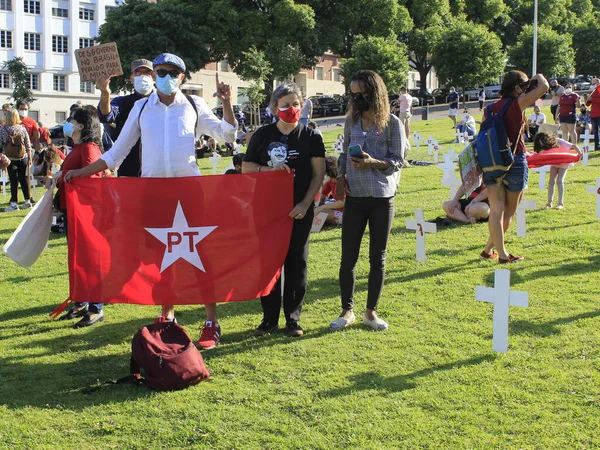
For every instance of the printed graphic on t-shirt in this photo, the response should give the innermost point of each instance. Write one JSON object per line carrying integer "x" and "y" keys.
{"x": 278, "y": 153}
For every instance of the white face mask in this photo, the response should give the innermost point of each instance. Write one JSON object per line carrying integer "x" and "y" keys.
{"x": 143, "y": 84}
{"x": 568, "y": 91}
{"x": 23, "y": 112}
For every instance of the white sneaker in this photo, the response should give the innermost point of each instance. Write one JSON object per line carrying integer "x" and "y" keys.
{"x": 12, "y": 207}
{"x": 377, "y": 323}
{"x": 341, "y": 323}
{"x": 26, "y": 205}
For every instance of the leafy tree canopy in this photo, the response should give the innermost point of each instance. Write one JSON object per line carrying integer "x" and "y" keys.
{"x": 20, "y": 78}
{"x": 586, "y": 41}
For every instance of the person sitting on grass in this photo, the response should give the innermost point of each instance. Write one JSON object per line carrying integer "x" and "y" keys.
{"x": 472, "y": 209}
{"x": 330, "y": 203}
{"x": 545, "y": 141}
{"x": 467, "y": 123}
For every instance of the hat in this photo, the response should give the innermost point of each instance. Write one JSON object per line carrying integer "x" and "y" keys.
{"x": 169, "y": 58}
{"x": 135, "y": 65}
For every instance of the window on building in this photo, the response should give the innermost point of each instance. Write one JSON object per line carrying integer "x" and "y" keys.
{"x": 60, "y": 44}
{"x": 6, "y": 5}
{"x": 319, "y": 73}
{"x": 336, "y": 74}
{"x": 60, "y": 12}
{"x": 85, "y": 42}
{"x": 86, "y": 14}
{"x": 5, "y": 80}
{"x": 60, "y": 117}
{"x": 31, "y": 6}
{"x": 87, "y": 86}
{"x": 35, "y": 115}
{"x": 33, "y": 83}
{"x": 32, "y": 41}
{"x": 224, "y": 66}
{"x": 5, "y": 39}
{"x": 60, "y": 83}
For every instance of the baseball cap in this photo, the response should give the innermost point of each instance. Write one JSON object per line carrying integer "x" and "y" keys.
{"x": 135, "y": 65}
{"x": 169, "y": 58}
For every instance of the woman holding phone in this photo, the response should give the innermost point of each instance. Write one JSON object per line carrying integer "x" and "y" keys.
{"x": 372, "y": 154}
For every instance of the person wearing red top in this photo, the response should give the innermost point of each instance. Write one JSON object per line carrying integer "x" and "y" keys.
{"x": 44, "y": 134}
{"x": 567, "y": 113}
{"x": 83, "y": 126}
{"x": 31, "y": 125}
{"x": 505, "y": 193}
{"x": 330, "y": 202}
{"x": 594, "y": 102}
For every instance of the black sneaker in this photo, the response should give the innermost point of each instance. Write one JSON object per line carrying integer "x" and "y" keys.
{"x": 73, "y": 313}
{"x": 292, "y": 329}
{"x": 265, "y": 328}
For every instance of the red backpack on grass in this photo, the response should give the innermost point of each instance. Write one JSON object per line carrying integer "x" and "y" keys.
{"x": 168, "y": 357}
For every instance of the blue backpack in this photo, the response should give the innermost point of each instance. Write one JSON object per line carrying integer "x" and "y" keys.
{"x": 492, "y": 146}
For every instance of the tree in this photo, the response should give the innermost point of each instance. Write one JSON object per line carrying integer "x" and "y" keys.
{"x": 387, "y": 57}
{"x": 255, "y": 68}
{"x": 586, "y": 40}
{"x": 476, "y": 55}
{"x": 20, "y": 77}
{"x": 555, "y": 55}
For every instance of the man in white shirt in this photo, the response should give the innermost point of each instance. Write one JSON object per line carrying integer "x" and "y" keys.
{"x": 534, "y": 122}
{"x": 307, "y": 112}
{"x": 167, "y": 122}
{"x": 404, "y": 107}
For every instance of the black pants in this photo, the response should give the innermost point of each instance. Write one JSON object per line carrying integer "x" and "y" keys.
{"x": 553, "y": 109}
{"x": 295, "y": 275}
{"x": 379, "y": 214}
{"x": 595, "y": 129}
{"x": 17, "y": 174}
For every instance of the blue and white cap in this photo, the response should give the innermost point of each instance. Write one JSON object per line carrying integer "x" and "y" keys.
{"x": 169, "y": 58}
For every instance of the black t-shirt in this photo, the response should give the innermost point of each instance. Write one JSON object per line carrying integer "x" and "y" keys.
{"x": 269, "y": 146}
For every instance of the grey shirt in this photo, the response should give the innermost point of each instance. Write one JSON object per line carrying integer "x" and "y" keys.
{"x": 384, "y": 145}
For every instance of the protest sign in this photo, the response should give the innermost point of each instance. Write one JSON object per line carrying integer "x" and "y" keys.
{"x": 98, "y": 61}
{"x": 470, "y": 172}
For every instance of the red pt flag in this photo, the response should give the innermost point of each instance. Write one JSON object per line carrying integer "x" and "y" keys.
{"x": 174, "y": 241}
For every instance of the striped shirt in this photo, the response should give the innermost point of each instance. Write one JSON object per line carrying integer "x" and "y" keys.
{"x": 384, "y": 145}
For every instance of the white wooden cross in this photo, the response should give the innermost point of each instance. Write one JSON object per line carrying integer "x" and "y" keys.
{"x": 4, "y": 180}
{"x": 452, "y": 182}
{"x": 502, "y": 297}
{"x": 585, "y": 150}
{"x": 32, "y": 184}
{"x": 595, "y": 190}
{"x": 467, "y": 137}
{"x": 421, "y": 227}
{"x": 448, "y": 165}
{"x": 523, "y": 206}
{"x": 451, "y": 155}
{"x": 542, "y": 171}
{"x": 214, "y": 159}
{"x": 436, "y": 148}
{"x": 417, "y": 138}
{"x": 430, "y": 146}
{"x": 587, "y": 137}
{"x": 459, "y": 136}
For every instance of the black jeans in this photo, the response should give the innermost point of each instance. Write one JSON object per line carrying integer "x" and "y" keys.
{"x": 295, "y": 275}
{"x": 595, "y": 130}
{"x": 17, "y": 174}
{"x": 379, "y": 214}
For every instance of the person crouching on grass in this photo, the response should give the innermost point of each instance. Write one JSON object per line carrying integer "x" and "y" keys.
{"x": 329, "y": 202}
{"x": 545, "y": 141}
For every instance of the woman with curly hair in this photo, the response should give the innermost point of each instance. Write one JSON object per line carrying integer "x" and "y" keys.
{"x": 372, "y": 154}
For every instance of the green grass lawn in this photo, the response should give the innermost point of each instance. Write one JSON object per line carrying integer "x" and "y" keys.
{"x": 430, "y": 381}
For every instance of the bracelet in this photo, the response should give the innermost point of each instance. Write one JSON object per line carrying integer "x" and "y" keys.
{"x": 258, "y": 168}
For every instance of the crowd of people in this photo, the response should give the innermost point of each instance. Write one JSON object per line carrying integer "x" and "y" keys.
{"x": 153, "y": 133}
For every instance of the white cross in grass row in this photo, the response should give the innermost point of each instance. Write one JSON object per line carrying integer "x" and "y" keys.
{"x": 502, "y": 297}
{"x": 459, "y": 136}
{"x": 523, "y": 206}
{"x": 430, "y": 144}
{"x": 452, "y": 182}
{"x": 448, "y": 165}
{"x": 4, "y": 180}
{"x": 542, "y": 171}
{"x": 214, "y": 159}
{"x": 436, "y": 149}
{"x": 595, "y": 190}
{"x": 417, "y": 138}
{"x": 587, "y": 136}
{"x": 421, "y": 227}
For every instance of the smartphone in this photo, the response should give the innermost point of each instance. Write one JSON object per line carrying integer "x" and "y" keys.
{"x": 355, "y": 151}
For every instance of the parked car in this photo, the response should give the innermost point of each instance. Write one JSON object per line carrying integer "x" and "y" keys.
{"x": 492, "y": 91}
{"x": 471, "y": 94}
{"x": 218, "y": 111}
{"x": 582, "y": 82}
{"x": 326, "y": 106}
{"x": 441, "y": 95}
{"x": 424, "y": 96}
{"x": 343, "y": 101}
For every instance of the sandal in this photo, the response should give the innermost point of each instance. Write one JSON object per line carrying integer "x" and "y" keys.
{"x": 490, "y": 255}
{"x": 510, "y": 259}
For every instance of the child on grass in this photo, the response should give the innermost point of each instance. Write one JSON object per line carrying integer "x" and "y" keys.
{"x": 545, "y": 141}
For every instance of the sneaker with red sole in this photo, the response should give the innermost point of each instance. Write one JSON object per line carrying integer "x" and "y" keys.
{"x": 511, "y": 259}
{"x": 490, "y": 255}
{"x": 210, "y": 336}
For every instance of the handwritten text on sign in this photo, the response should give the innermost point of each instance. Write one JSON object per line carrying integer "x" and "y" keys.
{"x": 98, "y": 61}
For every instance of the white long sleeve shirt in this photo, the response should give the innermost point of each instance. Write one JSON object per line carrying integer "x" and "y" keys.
{"x": 168, "y": 138}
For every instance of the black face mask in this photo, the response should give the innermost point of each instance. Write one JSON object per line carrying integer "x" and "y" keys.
{"x": 360, "y": 103}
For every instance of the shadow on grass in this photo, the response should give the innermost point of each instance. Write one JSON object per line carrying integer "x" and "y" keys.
{"x": 31, "y": 277}
{"x": 551, "y": 328}
{"x": 391, "y": 278}
{"x": 374, "y": 380}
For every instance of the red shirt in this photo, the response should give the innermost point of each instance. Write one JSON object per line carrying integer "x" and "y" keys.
{"x": 329, "y": 190}
{"x": 594, "y": 102}
{"x": 82, "y": 155}
{"x": 45, "y": 135}
{"x": 568, "y": 105}
{"x": 31, "y": 126}
{"x": 514, "y": 121}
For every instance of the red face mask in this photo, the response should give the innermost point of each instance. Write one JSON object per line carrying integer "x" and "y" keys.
{"x": 289, "y": 115}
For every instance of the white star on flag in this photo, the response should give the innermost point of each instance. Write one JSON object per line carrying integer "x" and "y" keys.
{"x": 180, "y": 240}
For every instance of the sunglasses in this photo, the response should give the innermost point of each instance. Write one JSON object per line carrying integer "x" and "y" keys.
{"x": 357, "y": 95}
{"x": 164, "y": 72}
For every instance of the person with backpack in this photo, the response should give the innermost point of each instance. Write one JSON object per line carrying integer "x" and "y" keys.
{"x": 506, "y": 191}
{"x": 16, "y": 145}
{"x": 167, "y": 122}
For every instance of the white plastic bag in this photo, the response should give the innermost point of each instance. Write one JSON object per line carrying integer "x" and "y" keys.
{"x": 30, "y": 238}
